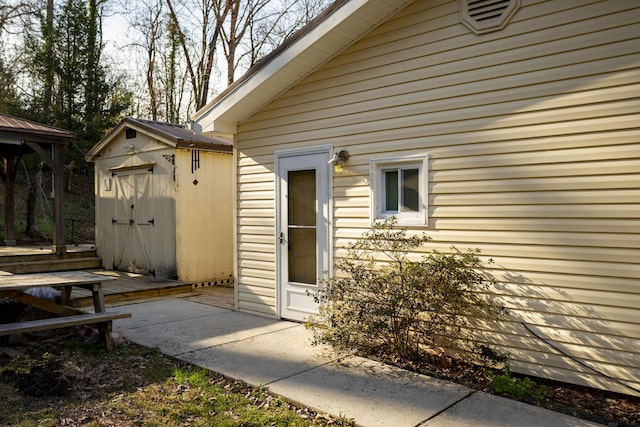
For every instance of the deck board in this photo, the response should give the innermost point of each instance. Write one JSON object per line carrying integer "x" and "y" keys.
{"x": 217, "y": 296}
{"x": 130, "y": 286}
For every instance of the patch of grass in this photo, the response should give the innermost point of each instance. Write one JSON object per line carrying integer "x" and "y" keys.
{"x": 194, "y": 378}
{"x": 19, "y": 365}
{"x": 195, "y": 398}
{"x": 133, "y": 385}
{"x": 517, "y": 387}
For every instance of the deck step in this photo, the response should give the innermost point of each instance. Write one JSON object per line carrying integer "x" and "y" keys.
{"x": 44, "y": 254}
{"x": 133, "y": 294}
{"x": 51, "y": 264}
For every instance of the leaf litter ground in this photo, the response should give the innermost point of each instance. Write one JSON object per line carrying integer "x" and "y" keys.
{"x": 61, "y": 380}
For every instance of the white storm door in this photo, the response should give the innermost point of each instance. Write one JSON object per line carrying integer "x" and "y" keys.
{"x": 303, "y": 231}
{"x": 133, "y": 221}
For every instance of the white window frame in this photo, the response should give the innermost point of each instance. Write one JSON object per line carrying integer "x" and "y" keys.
{"x": 377, "y": 167}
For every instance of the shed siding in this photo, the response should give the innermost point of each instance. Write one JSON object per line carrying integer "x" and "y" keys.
{"x": 534, "y": 146}
{"x": 160, "y": 201}
{"x": 189, "y": 231}
{"x": 204, "y": 217}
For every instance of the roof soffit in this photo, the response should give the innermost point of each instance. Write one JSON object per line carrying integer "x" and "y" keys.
{"x": 325, "y": 40}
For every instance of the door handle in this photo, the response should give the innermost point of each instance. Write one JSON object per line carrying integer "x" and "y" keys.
{"x": 281, "y": 238}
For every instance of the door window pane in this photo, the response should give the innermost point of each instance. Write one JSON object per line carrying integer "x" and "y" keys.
{"x": 302, "y": 198}
{"x": 302, "y": 226}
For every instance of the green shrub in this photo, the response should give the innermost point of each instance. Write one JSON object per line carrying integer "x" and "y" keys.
{"x": 517, "y": 387}
{"x": 384, "y": 299}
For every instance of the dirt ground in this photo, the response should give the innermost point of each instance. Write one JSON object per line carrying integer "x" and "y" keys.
{"x": 55, "y": 377}
{"x": 67, "y": 379}
{"x": 611, "y": 409}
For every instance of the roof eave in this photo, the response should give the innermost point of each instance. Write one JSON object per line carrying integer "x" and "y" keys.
{"x": 19, "y": 126}
{"x": 131, "y": 123}
{"x": 215, "y": 144}
{"x": 205, "y": 146}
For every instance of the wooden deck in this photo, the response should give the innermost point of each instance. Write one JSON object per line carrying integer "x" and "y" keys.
{"x": 42, "y": 259}
{"x": 217, "y": 296}
{"x": 127, "y": 286}
{"x": 130, "y": 286}
{"x": 42, "y": 249}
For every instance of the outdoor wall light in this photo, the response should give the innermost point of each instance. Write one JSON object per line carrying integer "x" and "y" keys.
{"x": 338, "y": 159}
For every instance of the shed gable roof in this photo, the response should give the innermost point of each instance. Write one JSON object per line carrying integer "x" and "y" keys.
{"x": 341, "y": 25}
{"x": 173, "y": 135}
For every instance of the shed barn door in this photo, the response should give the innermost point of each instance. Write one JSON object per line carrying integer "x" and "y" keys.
{"x": 133, "y": 220}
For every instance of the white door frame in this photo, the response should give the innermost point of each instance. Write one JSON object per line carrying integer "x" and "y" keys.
{"x": 326, "y": 254}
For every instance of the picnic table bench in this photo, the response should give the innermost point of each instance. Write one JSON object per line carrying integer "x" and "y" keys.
{"x": 12, "y": 286}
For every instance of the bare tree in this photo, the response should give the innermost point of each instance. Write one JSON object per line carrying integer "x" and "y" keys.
{"x": 242, "y": 29}
{"x": 146, "y": 19}
{"x": 173, "y": 77}
{"x": 9, "y": 11}
{"x": 233, "y": 33}
{"x": 200, "y": 61}
{"x": 269, "y": 29}
{"x": 202, "y": 45}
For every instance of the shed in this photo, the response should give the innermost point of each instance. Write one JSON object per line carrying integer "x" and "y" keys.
{"x": 513, "y": 128}
{"x": 163, "y": 202}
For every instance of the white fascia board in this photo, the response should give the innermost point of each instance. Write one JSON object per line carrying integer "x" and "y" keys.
{"x": 96, "y": 149}
{"x": 339, "y": 30}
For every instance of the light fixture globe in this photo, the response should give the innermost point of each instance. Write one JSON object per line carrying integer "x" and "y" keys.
{"x": 338, "y": 159}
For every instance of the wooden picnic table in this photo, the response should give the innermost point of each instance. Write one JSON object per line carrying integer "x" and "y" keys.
{"x": 12, "y": 286}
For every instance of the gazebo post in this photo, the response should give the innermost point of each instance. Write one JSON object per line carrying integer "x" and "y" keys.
{"x": 57, "y": 151}
{"x": 9, "y": 201}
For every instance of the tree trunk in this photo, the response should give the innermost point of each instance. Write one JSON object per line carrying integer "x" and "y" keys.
{"x": 32, "y": 200}
{"x": 49, "y": 71}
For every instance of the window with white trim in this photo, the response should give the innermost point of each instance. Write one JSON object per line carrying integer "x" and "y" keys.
{"x": 399, "y": 188}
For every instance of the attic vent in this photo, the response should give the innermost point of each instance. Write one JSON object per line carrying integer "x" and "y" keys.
{"x": 483, "y": 16}
{"x": 130, "y": 133}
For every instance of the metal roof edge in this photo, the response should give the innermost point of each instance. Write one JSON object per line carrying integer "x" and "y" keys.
{"x": 145, "y": 126}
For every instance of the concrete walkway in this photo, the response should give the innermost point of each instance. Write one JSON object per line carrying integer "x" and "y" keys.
{"x": 278, "y": 354}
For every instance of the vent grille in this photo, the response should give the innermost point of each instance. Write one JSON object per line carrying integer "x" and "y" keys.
{"x": 483, "y": 16}
{"x": 483, "y": 10}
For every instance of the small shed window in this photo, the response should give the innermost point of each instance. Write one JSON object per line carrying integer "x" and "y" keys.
{"x": 399, "y": 188}
{"x": 130, "y": 133}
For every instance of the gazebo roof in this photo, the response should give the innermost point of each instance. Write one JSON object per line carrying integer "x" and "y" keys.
{"x": 16, "y": 128}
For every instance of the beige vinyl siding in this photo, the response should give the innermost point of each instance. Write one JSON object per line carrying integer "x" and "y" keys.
{"x": 256, "y": 235}
{"x": 534, "y": 157}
